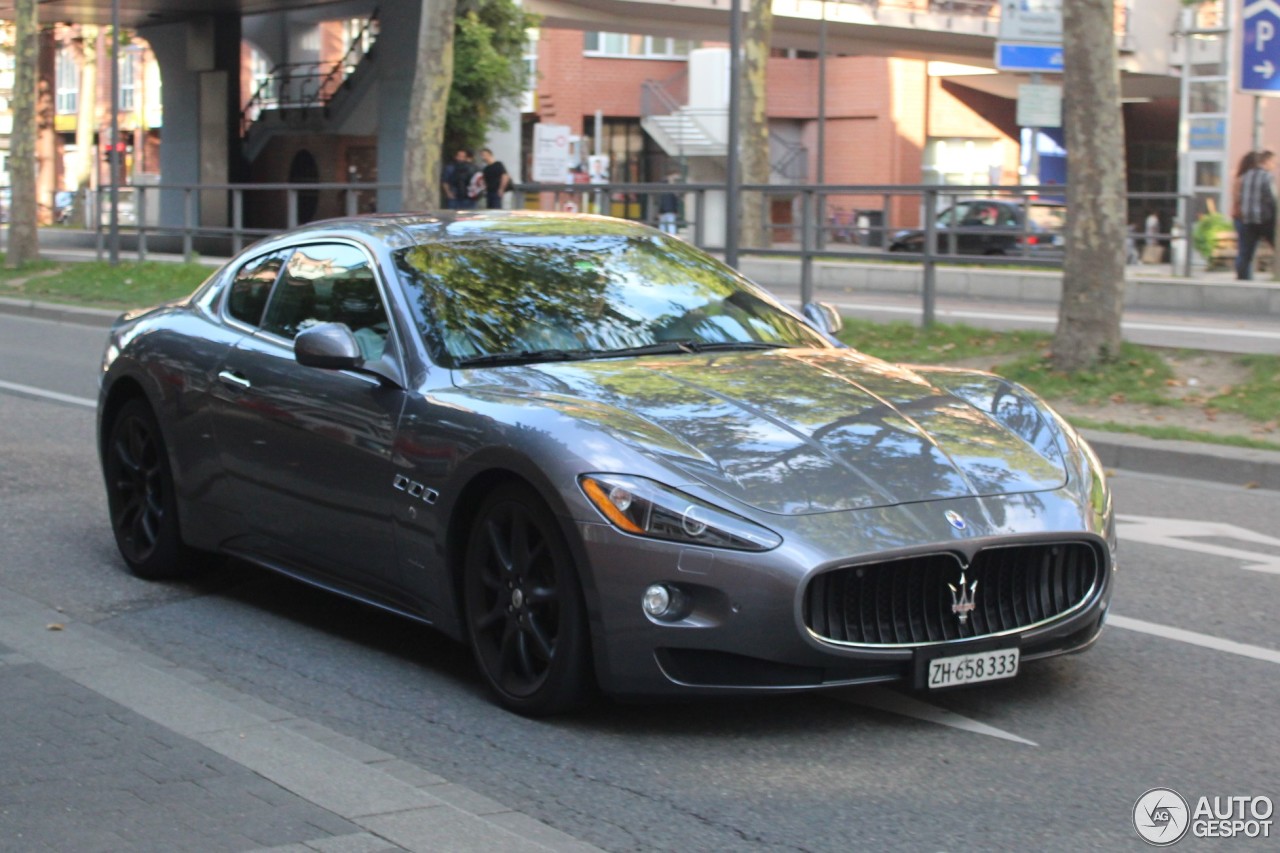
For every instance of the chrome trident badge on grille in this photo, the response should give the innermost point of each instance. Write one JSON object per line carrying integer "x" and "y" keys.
{"x": 962, "y": 598}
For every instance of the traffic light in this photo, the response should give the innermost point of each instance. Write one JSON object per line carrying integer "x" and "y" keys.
{"x": 122, "y": 148}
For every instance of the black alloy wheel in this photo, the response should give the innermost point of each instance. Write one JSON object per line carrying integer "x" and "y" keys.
{"x": 524, "y": 611}
{"x": 140, "y": 495}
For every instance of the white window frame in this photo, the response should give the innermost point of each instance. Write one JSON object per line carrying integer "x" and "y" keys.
{"x": 618, "y": 46}
{"x": 66, "y": 82}
{"x": 128, "y": 101}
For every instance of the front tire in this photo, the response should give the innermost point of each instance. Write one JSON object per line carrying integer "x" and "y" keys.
{"x": 523, "y": 605}
{"x": 141, "y": 498}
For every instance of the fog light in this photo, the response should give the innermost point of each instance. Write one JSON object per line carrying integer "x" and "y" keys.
{"x": 657, "y": 601}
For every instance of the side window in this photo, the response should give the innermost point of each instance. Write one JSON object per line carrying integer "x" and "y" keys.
{"x": 958, "y": 215}
{"x": 330, "y": 284}
{"x": 252, "y": 286}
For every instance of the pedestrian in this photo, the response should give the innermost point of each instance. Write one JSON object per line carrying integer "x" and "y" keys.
{"x": 1151, "y": 250}
{"x": 1257, "y": 212}
{"x": 456, "y": 182}
{"x": 496, "y": 179}
{"x": 669, "y": 208}
{"x": 1247, "y": 162}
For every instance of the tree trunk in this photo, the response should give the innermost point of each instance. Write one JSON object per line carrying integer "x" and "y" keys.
{"x": 86, "y": 123}
{"x": 1093, "y": 271}
{"x": 754, "y": 122}
{"x": 433, "y": 77}
{"x": 23, "y": 237}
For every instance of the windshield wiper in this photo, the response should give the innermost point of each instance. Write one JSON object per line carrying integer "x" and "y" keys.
{"x": 523, "y": 357}
{"x": 685, "y": 346}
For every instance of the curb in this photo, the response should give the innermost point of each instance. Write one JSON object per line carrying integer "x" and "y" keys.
{"x": 1241, "y": 466}
{"x": 77, "y": 314}
{"x": 1190, "y": 459}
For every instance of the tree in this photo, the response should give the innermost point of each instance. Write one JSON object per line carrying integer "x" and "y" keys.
{"x": 23, "y": 236}
{"x": 470, "y": 64}
{"x": 754, "y": 120}
{"x": 488, "y": 69}
{"x": 432, "y": 79}
{"x": 1093, "y": 270}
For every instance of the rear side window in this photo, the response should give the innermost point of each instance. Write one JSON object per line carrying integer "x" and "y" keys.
{"x": 252, "y": 286}
{"x": 1049, "y": 218}
{"x": 330, "y": 284}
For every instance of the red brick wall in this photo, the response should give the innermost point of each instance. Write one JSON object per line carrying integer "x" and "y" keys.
{"x": 571, "y": 86}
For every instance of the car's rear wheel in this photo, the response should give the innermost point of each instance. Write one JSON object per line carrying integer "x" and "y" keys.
{"x": 141, "y": 498}
{"x": 524, "y": 610}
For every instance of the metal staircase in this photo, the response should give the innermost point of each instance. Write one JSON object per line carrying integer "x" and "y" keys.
{"x": 684, "y": 131}
{"x": 310, "y": 97}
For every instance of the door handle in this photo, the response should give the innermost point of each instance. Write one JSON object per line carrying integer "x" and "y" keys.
{"x": 234, "y": 379}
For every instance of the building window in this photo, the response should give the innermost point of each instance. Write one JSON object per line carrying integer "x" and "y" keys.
{"x": 264, "y": 82}
{"x": 529, "y": 101}
{"x": 128, "y": 83}
{"x": 636, "y": 46}
{"x": 66, "y": 82}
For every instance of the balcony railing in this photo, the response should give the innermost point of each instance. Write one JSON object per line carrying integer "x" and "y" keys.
{"x": 303, "y": 85}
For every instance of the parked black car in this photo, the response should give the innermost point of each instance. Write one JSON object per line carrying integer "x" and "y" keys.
{"x": 994, "y": 227}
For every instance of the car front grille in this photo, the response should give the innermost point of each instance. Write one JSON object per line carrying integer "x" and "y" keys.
{"x": 910, "y": 601}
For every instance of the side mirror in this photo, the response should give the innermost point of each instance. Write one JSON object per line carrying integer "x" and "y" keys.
{"x": 329, "y": 346}
{"x": 824, "y": 317}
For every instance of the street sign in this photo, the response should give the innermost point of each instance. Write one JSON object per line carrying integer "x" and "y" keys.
{"x": 1039, "y": 105}
{"x": 1260, "y": 54}
{"x": 1031, "y": 20}
{"x": 550, "y": 153}
{"x": 1029, "y": 57}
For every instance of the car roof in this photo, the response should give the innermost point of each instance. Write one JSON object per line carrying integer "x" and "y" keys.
{"x": 400, "y": 230}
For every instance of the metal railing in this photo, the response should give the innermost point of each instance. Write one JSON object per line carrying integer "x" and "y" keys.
{"x": 882, "y": 217}
{"x": 299, "y": 203}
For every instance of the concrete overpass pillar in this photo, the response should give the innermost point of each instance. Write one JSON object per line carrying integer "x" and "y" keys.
{"x": 200, "y": 71}
{"x": 397, "y": 46}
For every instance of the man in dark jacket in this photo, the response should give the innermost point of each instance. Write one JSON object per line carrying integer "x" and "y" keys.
{"x": 496, "y": 179}
{"x": 456, "y": 182}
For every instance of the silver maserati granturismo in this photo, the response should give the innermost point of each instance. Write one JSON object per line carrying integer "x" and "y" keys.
{"x": 601, "y": 458}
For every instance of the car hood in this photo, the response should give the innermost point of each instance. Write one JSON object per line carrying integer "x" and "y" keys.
{"x": 797, "y": 431}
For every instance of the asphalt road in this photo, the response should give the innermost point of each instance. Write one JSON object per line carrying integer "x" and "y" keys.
{"x": 1181, "y": 691}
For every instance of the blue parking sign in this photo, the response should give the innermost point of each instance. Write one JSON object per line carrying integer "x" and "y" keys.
{"x": 1260, "y": 54}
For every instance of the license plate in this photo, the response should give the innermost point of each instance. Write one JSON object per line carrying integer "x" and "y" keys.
{"x": 972, "y": 668}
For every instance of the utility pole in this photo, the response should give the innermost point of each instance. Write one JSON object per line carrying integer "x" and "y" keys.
{"x": 732, "y": 179}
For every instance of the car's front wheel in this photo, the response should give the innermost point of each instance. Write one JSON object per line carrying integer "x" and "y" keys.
{"x": 524, "y": 609}
{"x": 141, "y": 498}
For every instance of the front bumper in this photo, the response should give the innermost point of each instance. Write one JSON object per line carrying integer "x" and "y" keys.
{"x": 744, "y": 631}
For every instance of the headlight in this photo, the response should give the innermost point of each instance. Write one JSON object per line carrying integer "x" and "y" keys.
{"x": 643, "y": 507}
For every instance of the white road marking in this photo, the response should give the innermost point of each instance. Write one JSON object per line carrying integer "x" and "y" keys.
{"x": 884, "y": 699}
{"x": 1194, "y": 638}
{"x": 1176, "y": 533}
{"x": 48, "y": 395}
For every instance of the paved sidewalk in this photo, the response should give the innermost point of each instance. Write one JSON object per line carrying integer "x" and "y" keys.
{"x": 106, "y": 747}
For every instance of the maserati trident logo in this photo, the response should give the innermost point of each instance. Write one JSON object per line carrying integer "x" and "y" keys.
{"x": 962, "y": 598}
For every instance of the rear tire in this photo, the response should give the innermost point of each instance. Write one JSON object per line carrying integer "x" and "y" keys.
{"x": 524, "y": 611}
{"x": 141, "y": 498}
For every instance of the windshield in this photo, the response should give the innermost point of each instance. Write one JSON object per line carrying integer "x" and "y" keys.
{"x": 529, "y": 294}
